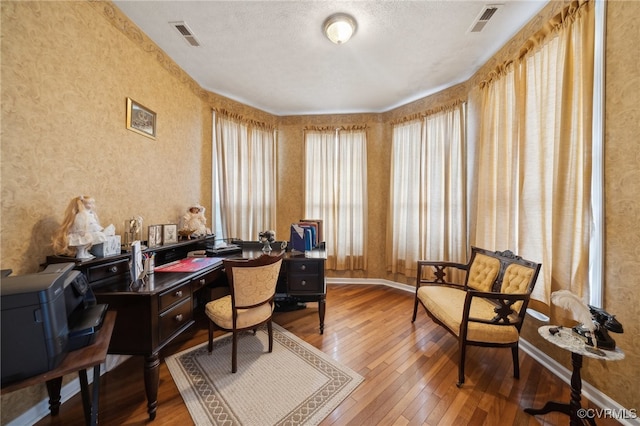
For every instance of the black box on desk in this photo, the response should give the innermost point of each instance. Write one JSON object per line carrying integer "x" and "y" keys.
{"x": 34, "y": 324}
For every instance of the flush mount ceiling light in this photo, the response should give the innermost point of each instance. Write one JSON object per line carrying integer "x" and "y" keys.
{"x": 339, "y": 27}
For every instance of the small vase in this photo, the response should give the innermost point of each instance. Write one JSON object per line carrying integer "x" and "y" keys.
{"x": 266, "y": 248}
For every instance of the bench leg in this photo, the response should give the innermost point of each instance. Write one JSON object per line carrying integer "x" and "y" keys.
{"x": 516, "y": 363}
{"x": 462, "y": 350}
{"x": 415, "y": 308}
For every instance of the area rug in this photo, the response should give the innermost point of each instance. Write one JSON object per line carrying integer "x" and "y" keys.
{"x": 296, "y": 384}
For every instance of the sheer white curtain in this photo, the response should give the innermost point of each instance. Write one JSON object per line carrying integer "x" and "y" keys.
{"x": 244, "y": 176}
{"x": 535, "y": 165}
{"x": 336, "y": 192}
{"x": 428, "y": 197}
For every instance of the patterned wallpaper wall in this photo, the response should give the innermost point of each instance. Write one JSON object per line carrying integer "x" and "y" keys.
{"x": 66, "y": 74}
{"x": 68, "y": 67}
{"x": 622, "y": 208}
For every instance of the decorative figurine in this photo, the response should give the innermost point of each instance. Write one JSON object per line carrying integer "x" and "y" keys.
{"x": 266, "y": 238}
{"x": 194, "y": 223}
{"x": 132, "y": 230}
{"x": 80, "y": 229}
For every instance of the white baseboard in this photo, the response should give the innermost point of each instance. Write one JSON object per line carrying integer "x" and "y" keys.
{"x": 588, "y": 391}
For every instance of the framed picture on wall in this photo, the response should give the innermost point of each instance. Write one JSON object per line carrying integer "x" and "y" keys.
{"x": 141, "y": 119}
{"x": 169, "y": 234}
{"x": 155, "y": 236}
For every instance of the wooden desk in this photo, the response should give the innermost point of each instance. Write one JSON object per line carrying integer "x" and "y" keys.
{"x": 152, "y": 315}
{"x": 79, "y": 360}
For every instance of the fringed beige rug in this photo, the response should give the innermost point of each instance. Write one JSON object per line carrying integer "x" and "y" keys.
{"x": 296, "y": 384}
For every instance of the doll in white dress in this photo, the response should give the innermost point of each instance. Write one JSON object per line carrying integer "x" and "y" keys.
{"x": 80, "y": 229}
{"x": 194, "y": 222}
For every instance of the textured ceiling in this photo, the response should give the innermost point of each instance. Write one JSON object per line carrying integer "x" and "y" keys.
{"x": 272, "y": 55}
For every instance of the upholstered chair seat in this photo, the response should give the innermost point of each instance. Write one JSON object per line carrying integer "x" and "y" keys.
{"x": 252, "y": 284}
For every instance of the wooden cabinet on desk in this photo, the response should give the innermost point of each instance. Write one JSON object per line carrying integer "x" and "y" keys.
{"x": 305, "y": 281}
{"x": 305, "y": 276}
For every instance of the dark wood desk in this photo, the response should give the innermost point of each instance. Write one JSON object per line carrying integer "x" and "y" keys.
{"x": 150, "y": 316}
{"x": 79, "y": 360}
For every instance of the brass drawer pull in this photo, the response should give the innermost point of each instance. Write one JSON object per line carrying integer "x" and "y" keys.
{"x": 178, "y": 293}
{"x": 202, "y": 281}
{"x": 303, "y": 267}
{"x": 179, "y": 318}
{"x": 303, "y": 282}
{"x": 113, "y": 269}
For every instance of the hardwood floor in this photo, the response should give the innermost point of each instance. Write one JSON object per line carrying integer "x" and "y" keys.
{"x": 409, "y": 369}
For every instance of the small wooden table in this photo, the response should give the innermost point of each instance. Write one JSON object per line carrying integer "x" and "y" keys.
{"x": 565, "y": 339}
{"x": 79, "y": 360}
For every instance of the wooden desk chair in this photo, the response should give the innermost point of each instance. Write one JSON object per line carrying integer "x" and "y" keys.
{"x": 253, "y": 286}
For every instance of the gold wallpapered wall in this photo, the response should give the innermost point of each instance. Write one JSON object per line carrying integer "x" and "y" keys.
{"x": 622, "y": 208}
{"x": 66, "y": 74}
{"x": 67, "y": 68}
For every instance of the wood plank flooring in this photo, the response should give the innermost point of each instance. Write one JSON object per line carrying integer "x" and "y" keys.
{"x": 410, "y": 371}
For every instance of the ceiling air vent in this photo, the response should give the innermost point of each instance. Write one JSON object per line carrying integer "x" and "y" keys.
{"x": 487, "y": 12}
{"x": 185, "y": 32}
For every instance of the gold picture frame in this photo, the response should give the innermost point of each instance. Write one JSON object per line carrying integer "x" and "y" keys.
{"x": 141, "y": 119}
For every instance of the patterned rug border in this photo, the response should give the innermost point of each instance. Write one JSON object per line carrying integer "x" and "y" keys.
{"x": 208, "y": 405}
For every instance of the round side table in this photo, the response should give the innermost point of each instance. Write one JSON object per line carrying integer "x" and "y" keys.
{"x": 566, "y": 339}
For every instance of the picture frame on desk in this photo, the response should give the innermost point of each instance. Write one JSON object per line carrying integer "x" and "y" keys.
{"x": 169, "y": 234}
{"x": 141, "y": 119}
{"x": 154, "y": 237}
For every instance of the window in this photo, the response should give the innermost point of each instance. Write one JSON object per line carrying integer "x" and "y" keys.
{"x": 536, "y": 157}
{"x": 336, "y": 192}
{"x": 427, "y": 207}
{"x": 244, "y": 177}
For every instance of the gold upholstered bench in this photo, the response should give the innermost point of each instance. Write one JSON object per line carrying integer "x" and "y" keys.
{"x": 481, "y": 303}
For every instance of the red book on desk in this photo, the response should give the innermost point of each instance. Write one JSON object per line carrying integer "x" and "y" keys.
{"x": 190, "y": 264}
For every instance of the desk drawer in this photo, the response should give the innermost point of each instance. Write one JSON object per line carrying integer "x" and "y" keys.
{"x": 175, "y": 318}
{"x": 299, "y": 283}
{"x": 174, "y": 296}
{"x": 107, "y": 270}
{"x": 304, "y": 267}
{"x": 206, "y": 279}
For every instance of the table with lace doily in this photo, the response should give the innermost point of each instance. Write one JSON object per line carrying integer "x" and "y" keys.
{"x": 567, "y": 339}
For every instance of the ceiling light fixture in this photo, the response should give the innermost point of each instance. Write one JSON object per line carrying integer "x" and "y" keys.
{"x": 339, "y": 27}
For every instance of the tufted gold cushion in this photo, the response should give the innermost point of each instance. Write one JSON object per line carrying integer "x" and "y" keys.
{"x": 483, "y": 272}
{"x": 446, "y": 304}
{"x": 219, "y": 311}
{"x": 516, "y": 279}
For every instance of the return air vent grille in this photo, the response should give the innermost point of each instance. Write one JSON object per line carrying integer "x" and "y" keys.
{"x": 185, "y": 32}
{"x": 487, "y": 12}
